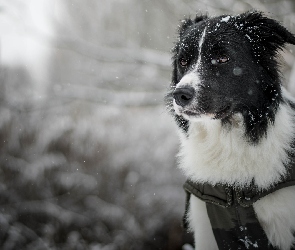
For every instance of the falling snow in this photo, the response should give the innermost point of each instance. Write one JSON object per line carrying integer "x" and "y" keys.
{"x": 248, "y": 243}
{"x": 225, "y": 19}
{"x": 237, "y": 71}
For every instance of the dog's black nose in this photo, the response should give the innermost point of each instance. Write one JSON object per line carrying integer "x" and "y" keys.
{"x": 183, "y": 96}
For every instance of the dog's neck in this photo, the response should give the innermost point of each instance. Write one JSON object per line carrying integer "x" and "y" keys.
{"x": 215, "y": 154}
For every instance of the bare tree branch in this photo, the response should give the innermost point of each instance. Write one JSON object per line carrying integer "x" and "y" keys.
{"x": 107, "y": 54}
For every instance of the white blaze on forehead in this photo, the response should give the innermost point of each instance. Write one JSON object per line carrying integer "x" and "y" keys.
{"x": 190, "y": 79}
{"x": 193, "y": 78}
{"x": 200, "y": 48}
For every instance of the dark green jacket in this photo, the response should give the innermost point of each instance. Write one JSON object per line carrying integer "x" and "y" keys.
{"x": 231, "y": 213}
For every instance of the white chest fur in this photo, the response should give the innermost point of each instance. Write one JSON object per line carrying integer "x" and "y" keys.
{"x": 213, "y": 154}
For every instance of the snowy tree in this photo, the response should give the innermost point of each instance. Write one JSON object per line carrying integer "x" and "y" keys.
{"x": 87, "y": 149}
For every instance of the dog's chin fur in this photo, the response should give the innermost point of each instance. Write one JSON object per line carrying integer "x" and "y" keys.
{"x": 213, "y": 154}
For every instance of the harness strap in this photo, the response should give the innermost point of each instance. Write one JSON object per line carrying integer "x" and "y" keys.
{"x": 237, "y": 227}
{"x": 223, "y": 195}
{"x": 231, "y": 213}
{"x": 219, "y": 194}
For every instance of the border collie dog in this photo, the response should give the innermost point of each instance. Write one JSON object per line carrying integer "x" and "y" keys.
{"x": 237, "y": 130}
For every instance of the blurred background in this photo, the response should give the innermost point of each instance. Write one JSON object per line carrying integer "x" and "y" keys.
{"x": 87, "y": 149}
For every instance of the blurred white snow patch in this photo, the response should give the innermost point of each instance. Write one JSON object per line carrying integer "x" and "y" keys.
{"x": 77, "y": 180}
{"x": 187, "y": 247}
{"x": 116, "y": 214}
{"x": 52, "y": 129}
{"x": 132, "y": 178}
{"x": 25, "y": 28}
{"x": 5, "y": 115}
{"x": 41, "y": 164}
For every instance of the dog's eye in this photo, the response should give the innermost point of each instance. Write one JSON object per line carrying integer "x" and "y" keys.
{"x": 222, "y": 59}
{"x": 183, "y": 62}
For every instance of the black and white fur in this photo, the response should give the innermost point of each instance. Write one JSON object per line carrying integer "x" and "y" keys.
{"x": 236, "y": 121}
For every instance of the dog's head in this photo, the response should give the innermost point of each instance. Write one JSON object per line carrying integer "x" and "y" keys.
{"x": 227, "y": 65}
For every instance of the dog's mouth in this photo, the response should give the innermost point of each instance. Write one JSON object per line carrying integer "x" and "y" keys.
{"x": 222, "y": 113}
{"x": 191, "y": 113}
{"x": 194, "y": 114}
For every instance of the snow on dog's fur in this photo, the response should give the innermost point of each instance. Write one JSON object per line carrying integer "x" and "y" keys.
{"x": 236, "y": 121}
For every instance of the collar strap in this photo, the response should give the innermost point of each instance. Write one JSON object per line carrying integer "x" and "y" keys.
{"x": 218, "y": 194}
{"x": 226, "y": 196}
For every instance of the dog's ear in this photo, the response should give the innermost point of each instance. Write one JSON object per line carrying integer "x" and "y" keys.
{"x": 264, "y": 31}
{"x": 184, "y": 24}
{"x": 187, "y": 22}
